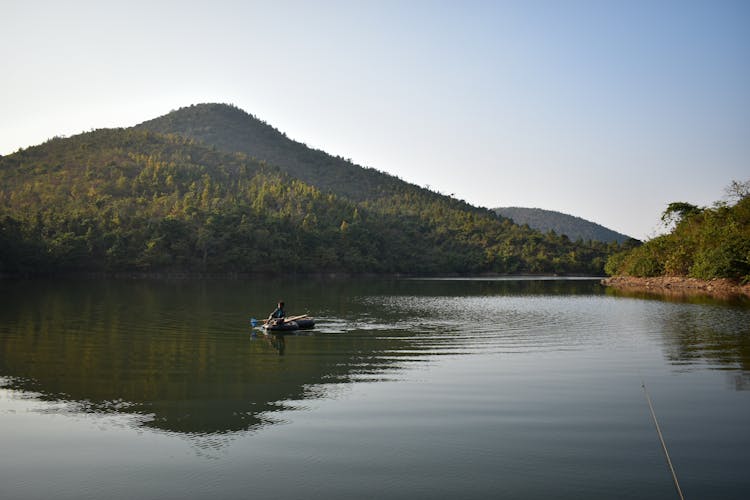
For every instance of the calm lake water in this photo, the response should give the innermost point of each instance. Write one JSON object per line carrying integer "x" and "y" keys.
{"x": 406, "y": 389}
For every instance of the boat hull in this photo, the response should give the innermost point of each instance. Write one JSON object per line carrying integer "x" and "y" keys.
{"x": 290, "y": 326}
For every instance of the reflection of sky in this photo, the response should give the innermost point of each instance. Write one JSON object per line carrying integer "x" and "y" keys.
{"x": 546, "y": 104}
{"x": 462, "y": 426}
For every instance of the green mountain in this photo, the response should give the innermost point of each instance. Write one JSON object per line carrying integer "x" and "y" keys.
{"x": 222, "y": 192}
{"x": 230, "y": 129}
{"x": 573, "y": 227}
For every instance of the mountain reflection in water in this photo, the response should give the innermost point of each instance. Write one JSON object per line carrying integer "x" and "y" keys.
{"x": 181, "y": 353}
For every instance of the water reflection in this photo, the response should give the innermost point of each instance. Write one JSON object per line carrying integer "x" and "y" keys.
{"x": 181, "y": 353}
{"x": 181, "y": 356}
{"x": 276, "y": 340}
{"x": 683, "y": 296}
{"x": 708, "y": 334}
{"x": 739, "y": 381}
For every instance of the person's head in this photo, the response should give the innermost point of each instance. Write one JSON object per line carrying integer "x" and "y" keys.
{"x": 281, "y": 304}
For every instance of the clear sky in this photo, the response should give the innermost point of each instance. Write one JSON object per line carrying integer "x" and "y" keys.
{"x": 607, "y": 110}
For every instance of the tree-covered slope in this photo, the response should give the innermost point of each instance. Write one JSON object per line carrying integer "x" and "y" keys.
{"x": 231, "y": 129}
{"x": 575, "y": 228}
{"x": 705, "y": 243}
{"x": 137, "y": 200}
{"x": 133, "y": 200}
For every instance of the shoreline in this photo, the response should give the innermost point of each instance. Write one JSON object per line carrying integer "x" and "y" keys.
{"x": 681, "y": 285}
{"x": 180, "y": 275}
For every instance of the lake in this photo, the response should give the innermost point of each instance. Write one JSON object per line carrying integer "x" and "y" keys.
{"x": 454, "y": 388}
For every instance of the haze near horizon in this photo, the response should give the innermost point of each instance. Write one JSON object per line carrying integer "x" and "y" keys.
{"x": 604, "y": 111}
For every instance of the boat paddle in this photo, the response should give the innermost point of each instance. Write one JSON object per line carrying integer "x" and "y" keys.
{"x": 295, "y": 318}
{"x": 254, "y": 322}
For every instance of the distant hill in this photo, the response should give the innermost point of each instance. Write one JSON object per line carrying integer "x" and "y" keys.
{"x": 573, "y": 227}
{"x": 210, "y": 188}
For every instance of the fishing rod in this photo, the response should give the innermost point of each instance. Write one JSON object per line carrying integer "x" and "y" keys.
{"x": 663, "y": 444}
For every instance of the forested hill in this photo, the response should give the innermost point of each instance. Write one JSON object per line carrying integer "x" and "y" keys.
{"x": 136, "y": 200}
{"x": 231, "y": 129}
{"x": 576, "y": 228}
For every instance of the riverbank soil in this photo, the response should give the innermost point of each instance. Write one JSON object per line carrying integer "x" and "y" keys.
{"x": 679, "y": 284}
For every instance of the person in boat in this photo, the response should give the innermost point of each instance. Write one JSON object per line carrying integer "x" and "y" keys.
{"x": 278, "y": 314}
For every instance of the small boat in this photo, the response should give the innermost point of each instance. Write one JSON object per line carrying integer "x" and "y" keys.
{"x": 291, "y": 324}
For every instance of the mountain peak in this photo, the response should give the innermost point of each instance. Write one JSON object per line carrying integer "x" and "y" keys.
{"x": 209, "y": 123}
{"x": 232, "y": 130}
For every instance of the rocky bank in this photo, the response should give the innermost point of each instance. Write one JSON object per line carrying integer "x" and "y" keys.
{"x": 679, "y": 284}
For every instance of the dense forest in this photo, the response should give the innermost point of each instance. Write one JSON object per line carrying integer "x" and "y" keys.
{"x": 575, "y": 228}
{"x": 705, "y": 242}
{"x": 136, "y": 200}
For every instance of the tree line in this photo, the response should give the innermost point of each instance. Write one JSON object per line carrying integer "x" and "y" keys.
{"x": 133, "y": 200}
{"x": 705, "y": 242}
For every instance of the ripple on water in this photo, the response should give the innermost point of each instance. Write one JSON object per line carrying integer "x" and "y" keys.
{"x": 466, "y": 325}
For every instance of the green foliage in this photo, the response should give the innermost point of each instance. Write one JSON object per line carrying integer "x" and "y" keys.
{"x": 646, "y": 260}
{"x": 705, "y": 243}
{"x": 137, "y": 200}
{"x": 678, "y": 211}
{"x": 616, "y": 263}
{"x": 723, "y": 248}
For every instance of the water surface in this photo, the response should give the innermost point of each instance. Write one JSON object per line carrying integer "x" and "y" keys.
{"x": 406, "y": 389}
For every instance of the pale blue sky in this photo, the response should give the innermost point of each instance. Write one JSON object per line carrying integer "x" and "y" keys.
{"x": 607, "y": 110}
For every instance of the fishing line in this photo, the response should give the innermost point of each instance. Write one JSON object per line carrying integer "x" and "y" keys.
{"x": 663, "y": 445}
